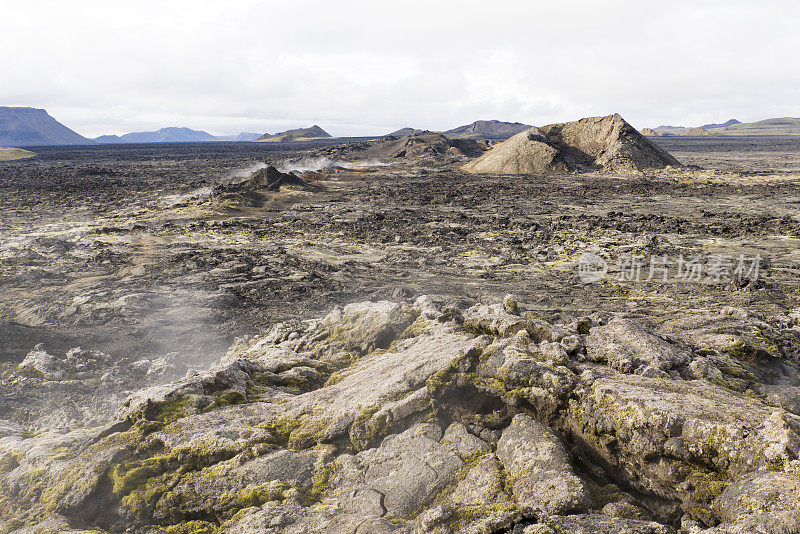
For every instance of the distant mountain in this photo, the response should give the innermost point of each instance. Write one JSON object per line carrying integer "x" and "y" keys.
{"x": 402, "y": 132}
{"x": 298, "y": 134}
{"x": 173, "y": 135}
{"x": 108, "y": 140}
{"x": 487, "y": 130}
{"x": 725, "y": 124}
{"x": 164, "y": 135}
{"x": 696, "y": 132}
{"x": 247, "y": 136}
{"x": 779, "y": 126}
{"x": 650, "y": 132}
{"x": 34, "y": 127}
{"x": 670, "y": 130}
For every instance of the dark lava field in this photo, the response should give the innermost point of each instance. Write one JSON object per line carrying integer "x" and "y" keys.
{"x": 123, "y": 249}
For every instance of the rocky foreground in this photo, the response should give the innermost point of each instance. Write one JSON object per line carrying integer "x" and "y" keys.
{"x": 434, "y": 416}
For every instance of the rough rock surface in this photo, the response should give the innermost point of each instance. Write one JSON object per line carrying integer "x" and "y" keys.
{"x": 539, "y": 465}
{"x": 421, "y": 145}
{"x": 595, "y": 143}
{"x": 250, "y": 190}
{"x": 423, "y": 417}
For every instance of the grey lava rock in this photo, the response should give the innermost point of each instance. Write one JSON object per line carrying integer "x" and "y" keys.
{"x": 540, "y": 466}
{"x": 397, "y": 417}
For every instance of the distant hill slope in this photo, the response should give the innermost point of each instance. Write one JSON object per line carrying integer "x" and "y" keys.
{"x": 246, "y": 137}
{"x": 164, "y": 135}
{"x": 697, "y": 132}
{"x": 402, "y": 132}
{"x": 670, "y": 130}
{"x": 491, "y": 129}
{"x": 34, "y": 127}
{"x": 173, "y": 135}
{"x": 108, "y": 140}
{"x": 650, "y": 132}
{"x": 298, "y": 134}
{"x": 10, "y": 154}
{"x": 729, "y": 122}
{"x": 780, "y": 126}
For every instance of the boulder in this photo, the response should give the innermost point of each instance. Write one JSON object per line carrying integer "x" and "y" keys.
{"x": 543, "y": 477}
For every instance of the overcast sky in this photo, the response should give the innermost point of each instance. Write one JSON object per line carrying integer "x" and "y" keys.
{"x": 370, "y": 67}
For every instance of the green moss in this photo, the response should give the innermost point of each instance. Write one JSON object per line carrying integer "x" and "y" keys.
{"x": 296, "y": 382}
{"x": 777, "y": 464}
{"x": 715, "y": 440}
{"x": 229, "y": 398}
{"x": 236, "y": 518}
{"x": 308, "y": 434}
{"x": 768, "y": 342}
{"x": 70, "y": 478}
{"x": 439, "y": 381}
{"x": 320, "y": 485}
{"x": 701, "y": 485}
{"x": 337, "y": 377}
{"x": 466, "y": 514}
{"x": 728, "y": 384}
{"x": 168, "y": 411}
{"x": 140, "y": 483}
{"x": 130, "y": 476}
{"x": 297, "y": 432}
{"x": 191, "y": 527}
{"x": 622, "y": 415}
{"x": 8, "y": 462}
{"x": 281, "y": 428}
{"x": 257, "y": 495}
{"x": 359, "y": 429}
{"x": 353, "y": 331}
{"x": 603, "y": 495}
{"x": 415, "y": 329}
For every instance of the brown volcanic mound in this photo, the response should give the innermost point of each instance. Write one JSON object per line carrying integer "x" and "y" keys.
{"x": 423, "y": 144}
{"x": 592, "y": 144}
{"x": 271, "y": 179}
{"x": 529, "y": 152}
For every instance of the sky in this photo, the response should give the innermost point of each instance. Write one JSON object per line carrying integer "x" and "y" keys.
{"x": 370, "y": 67}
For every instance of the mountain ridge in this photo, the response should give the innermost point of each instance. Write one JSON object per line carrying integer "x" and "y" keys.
{"x": 486, "y": 129}
{"x": 296, "y": 134}
{"x": 25, "y": 126}
{"x": 774, "y": 126}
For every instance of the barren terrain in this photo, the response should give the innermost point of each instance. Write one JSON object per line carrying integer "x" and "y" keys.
{"x": 396, "y": 345}
{"x": 106, "y": 247}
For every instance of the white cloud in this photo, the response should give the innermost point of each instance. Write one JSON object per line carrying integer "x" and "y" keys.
{"x": 362, "y": 67}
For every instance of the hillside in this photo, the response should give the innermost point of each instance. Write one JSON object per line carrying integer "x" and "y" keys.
{"x": 10, "y": 154}
{"x": 729, "y": 122}
{"x": 298, "y": 134}
{"x": 34, "y": 127}
{"x": 173, "y": 135}
{"x": 697, "y": 132}
{"x": 164, "y": 135}
{"x": 779, "y": 126}
{"x": 402, "y": 132}
{"x": 487, "y": 130}
{"x": 246, "y": 137}
{"x": 669, "y": 130}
